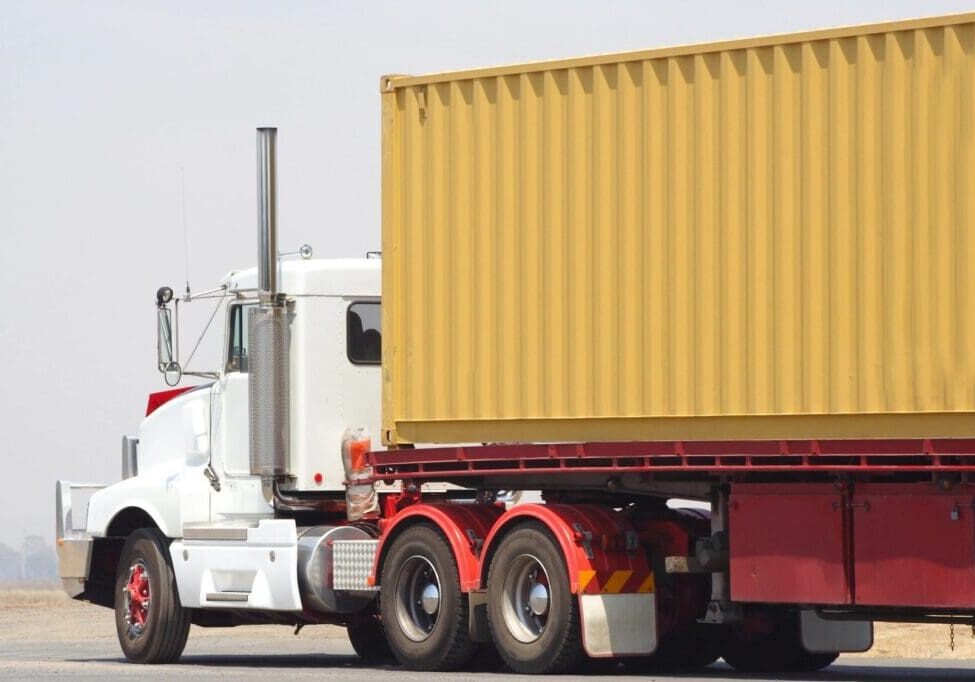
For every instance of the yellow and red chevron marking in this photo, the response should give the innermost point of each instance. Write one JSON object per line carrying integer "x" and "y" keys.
{"x": 623, "y": 581}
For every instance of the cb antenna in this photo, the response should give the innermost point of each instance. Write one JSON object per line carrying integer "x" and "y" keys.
{"x": 186, "y": 239}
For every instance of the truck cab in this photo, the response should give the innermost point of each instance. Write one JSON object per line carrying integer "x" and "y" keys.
{"x": 335, "y": 328}
{"x": 187, "y": 466}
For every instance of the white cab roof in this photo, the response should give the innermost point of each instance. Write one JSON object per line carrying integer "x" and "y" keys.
{"x": 318, "y": 277}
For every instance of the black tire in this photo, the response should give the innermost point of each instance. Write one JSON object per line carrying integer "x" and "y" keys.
{"x": 486, "y": 659}
{"x": 153, "y": 632}
{"x": 809, "y": 662}
{"x": 696, "y": 646}
{"x": 760, "y": 656}
{"x": 778, "y": 651}
{"x": 368, "y": 638}
{"x": 539, "y": 643}
{"x": 422, "y": 640}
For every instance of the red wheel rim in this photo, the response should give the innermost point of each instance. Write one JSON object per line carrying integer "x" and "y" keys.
{"x": 137, "y": 597}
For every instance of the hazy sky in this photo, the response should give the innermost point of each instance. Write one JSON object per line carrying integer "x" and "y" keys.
{"x": 101, "y": 103}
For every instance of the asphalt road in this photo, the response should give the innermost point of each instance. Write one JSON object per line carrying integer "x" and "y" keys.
{"x": 43, "y": 642}
{"x": 225, "y": 659}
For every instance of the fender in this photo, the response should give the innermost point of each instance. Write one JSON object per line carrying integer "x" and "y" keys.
{"x": 118, "y": 498}
{"x": 171, "y": 493}
{"x": 465, "y": 526}
{"x": 607, "y": 568}
{"x": 594, "y": 541}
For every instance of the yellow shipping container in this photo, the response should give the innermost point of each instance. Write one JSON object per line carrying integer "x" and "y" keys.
{"x": 766, "y": 238}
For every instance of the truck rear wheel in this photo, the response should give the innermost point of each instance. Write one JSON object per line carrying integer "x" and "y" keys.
{"x": 534, "y": 617}
{"x": 695, "y": 646}
{"x": 423, "y": 610}
{"x": 778, "y": 649}
{"x": 152, "y": 626}
{"x": 809, "y": 662}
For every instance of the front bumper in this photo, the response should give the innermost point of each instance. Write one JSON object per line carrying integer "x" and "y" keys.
{"x": 73, "y": 542}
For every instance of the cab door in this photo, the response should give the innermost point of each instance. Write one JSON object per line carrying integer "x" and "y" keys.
{"x": 239, "y": 496}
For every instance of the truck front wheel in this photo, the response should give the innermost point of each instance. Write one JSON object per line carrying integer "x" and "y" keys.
{"x": 423, "y": 610}
{"x": 533, "y": 615}
{"x": 152, "y": 626}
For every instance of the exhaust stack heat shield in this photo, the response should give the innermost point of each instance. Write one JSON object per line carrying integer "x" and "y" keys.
{"x": 268, "y": 391}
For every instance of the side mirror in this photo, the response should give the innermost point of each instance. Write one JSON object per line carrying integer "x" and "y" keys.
{"x": 164, "y": 338}
{"x": 164, "y": 347}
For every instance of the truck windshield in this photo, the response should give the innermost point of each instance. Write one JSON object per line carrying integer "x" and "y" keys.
{"x": 364, "y": 333}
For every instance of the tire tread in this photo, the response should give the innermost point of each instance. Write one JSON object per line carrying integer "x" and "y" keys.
{"x": 568, "y": 650}
{"x": 461, "y": 648}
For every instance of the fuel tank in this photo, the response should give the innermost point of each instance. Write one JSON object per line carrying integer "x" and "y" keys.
{"x": 315, "y": 574}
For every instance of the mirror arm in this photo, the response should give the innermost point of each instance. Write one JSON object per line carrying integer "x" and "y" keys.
{"x": 203, "y": 374}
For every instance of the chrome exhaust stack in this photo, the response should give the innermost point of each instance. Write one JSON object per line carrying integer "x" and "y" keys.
{"x": 267, "y": 215}
{"x": 269, "y": 386}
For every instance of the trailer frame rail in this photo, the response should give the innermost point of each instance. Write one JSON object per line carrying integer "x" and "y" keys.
{"x": 707, "y": 457}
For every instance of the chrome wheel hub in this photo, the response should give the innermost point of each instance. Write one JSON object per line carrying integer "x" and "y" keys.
{"x": 430, "y": 599}
{"x": 526, "y": 598}
{"x": 136, "y": 598}
{"x": 538, "y": 599}
{"x": 417, "y": 595}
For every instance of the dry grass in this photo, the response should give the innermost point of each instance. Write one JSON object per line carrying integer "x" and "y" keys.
{"x": 911, "y": 640}
{"x": 15, "y": 598}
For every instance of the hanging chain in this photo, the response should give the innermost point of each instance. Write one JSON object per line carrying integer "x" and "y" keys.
{"x": 951, "y": 636}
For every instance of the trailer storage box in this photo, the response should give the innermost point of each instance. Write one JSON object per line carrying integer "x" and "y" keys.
{"x": 758, "y": 239}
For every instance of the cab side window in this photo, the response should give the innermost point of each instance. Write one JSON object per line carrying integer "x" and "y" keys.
{"x": 364, "y": 334}
{"x": 237, "y": 352}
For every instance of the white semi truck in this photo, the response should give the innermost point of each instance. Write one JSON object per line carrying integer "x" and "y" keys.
{"x": 252, "y": 498}
{"x": 619, "y": 281}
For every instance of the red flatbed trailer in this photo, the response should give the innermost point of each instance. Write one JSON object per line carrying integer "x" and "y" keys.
{"x": 850, "y": 531}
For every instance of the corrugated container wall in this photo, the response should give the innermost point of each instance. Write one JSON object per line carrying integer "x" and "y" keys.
{"x": 769, "y": 238}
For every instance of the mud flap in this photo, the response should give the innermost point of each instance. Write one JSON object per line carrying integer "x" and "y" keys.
{"x": 820, "y": 635}
{"x": 618, "y": 624}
